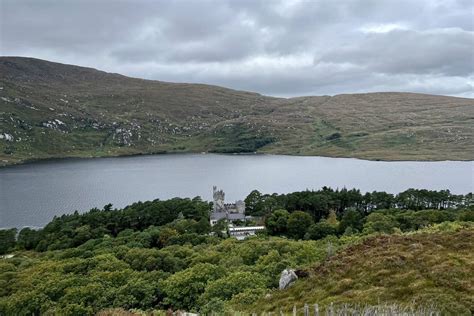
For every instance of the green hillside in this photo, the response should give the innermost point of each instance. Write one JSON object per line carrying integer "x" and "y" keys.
{"x": 54, "y": 110}
{"x": 425, "y": 269}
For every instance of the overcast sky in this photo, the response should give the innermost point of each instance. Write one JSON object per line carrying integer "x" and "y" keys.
{"x": 280, "y": 48}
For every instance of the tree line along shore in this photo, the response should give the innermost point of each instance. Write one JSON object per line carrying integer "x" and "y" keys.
{"x": 160, "y": 255}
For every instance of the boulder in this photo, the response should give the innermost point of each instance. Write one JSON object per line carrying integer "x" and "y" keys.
{"x": 288, "y": 276}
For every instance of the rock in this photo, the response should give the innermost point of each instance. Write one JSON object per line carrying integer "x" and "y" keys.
{"x": 288, "y": 276}
{"x": 7, "y": 137}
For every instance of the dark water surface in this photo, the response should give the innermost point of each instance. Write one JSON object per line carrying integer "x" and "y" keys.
{"x": 30, "y": 195}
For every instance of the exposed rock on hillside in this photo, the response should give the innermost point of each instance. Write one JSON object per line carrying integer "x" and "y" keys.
{"x": 55, "y": 110}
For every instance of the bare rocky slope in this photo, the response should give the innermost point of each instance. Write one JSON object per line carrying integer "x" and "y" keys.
{"x": 52, "y": 110}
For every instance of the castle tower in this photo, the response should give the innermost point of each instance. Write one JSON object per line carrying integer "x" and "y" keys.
{"x": 240, "y": 206}
{"x": 218, "y": 196}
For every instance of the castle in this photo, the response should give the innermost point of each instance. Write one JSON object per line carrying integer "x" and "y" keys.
{"x": 231, "y": 211}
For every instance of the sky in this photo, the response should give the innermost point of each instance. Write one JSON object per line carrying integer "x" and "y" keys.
{"x": 280, "y": 48}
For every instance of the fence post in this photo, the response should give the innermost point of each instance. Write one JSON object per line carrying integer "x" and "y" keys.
{"x": 306, "y": 310}
{"x": 281, "y": 312}
{"x": 330, "y": 249}
{"x": 316, "y": 310}
{"x": 331, "y": 309}
{"x": 294, "y": 310}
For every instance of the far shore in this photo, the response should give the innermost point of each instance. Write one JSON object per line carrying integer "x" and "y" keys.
{"x": 159, "y": 153}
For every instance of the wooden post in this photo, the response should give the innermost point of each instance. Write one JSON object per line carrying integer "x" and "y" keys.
{"x": 306, "y": 310}
{"x": 294, "y": 310}
{"x": 330, "y": 249}
{"x": 316, "y": 310}
{"x": 331, "y": 310}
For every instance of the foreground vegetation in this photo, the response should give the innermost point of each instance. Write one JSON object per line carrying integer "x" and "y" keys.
{"x": 51, "y": 110}
{"x": 432, "y": 268}
{"x": 163, "y": 254}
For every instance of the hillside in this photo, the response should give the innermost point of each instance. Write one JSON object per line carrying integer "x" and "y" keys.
{"x": 425, "y": 269}
{"x": 54, "y": 110}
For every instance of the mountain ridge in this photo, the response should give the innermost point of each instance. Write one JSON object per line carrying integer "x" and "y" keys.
{"x": 54, "y": 110}
{"x": 33, "y": 59}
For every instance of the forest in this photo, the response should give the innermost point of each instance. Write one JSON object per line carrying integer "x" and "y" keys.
{"x": 160, "y": 255}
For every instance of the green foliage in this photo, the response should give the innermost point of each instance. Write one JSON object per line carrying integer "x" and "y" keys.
{"x": 129, "y": 259}
{"x": 466, "y": 215}
{"x": 298, "y": 224}
{"x": 320, "y": 203}
{"x": 225, "y": 288}
{"x": 240, "y": 138}
{"x": 351, "y": 219}
{"x": 113, "y": 272}
{"x": 184, "y": 288}
{"x": 7, "y": 240}
{"x": 277, "y": 222}
{"x": 241, "y": 301}
{"x": 332, "y": 219}
{"x": 28, "y": 238}
{"x": 76, "y": 310}
{"x": 142, "y": 259}
{"x": 379, "y": 223}
{"x": 75, "y": 229}
{"x": 320, "y": 230}
{"x": 220, "y": 228}
{"x": 26, "y": 303}
{"x": 254, "y": 203}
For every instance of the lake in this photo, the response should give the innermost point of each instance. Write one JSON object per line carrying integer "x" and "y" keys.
{"x": 31, "y": 194}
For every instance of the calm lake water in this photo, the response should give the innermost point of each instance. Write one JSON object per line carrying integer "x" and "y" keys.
{"x": 30, "y": 195}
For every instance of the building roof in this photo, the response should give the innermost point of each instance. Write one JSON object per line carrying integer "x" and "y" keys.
{"x": 235, "y": 216}
{"x": 218, "y": 215}
{"x": 230, "y": 216}
{"x": 246, "y": 228}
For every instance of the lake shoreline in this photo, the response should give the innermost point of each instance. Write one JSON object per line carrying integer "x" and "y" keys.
{"x": 32, "y": 192}
{"x": 171, "y": 153}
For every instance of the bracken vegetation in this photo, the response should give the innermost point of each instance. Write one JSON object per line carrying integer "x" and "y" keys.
{"x": 430, "y": 268}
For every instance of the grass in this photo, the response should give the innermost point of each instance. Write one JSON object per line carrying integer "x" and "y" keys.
{"x": 109, "y": 114}
{"x": 423, "y": 270}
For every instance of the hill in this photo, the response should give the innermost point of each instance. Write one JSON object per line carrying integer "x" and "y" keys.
{"x": 52, "y": 110}
{"x": 425, "y": 269}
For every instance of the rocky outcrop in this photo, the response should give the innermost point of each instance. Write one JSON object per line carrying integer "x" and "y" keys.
{"x": 288, "y": 276}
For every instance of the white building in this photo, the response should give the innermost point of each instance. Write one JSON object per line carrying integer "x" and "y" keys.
{"x": 243, "y": 232}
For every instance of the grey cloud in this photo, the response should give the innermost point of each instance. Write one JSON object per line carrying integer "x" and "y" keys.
{"x": 259, "y": 45}
{"x": 448, "y": 52}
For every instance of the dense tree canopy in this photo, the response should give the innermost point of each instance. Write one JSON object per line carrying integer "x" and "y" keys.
{"x": 319, "y": 203}
{"x": 298, "y": 223}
